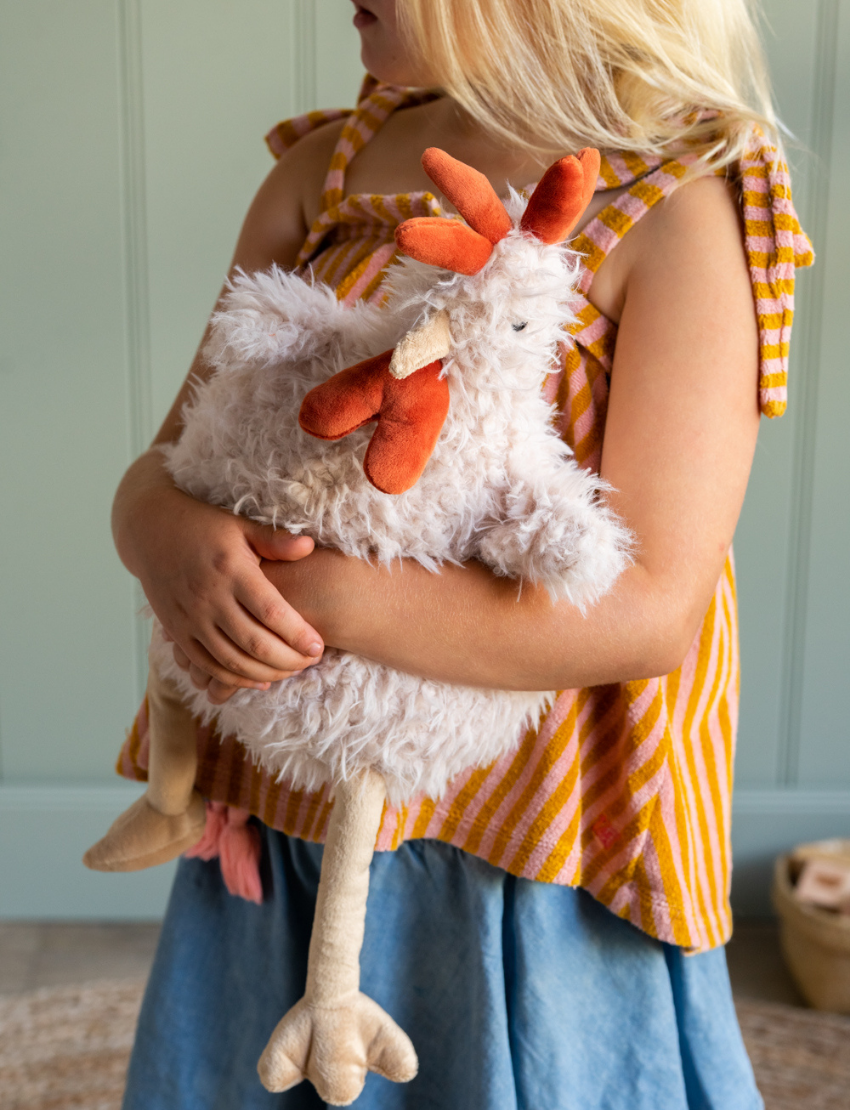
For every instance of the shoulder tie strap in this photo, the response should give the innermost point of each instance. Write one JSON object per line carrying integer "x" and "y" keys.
{"x": 362, "y": 124}
{"x": 607, "y": 229}
{"x": 287, "y": 133}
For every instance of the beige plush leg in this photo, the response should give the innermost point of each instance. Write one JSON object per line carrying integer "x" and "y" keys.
{"x": 170, "y": 816}
{"x": 335, "y": 1034}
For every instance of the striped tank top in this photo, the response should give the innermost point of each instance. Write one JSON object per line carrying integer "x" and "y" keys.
{"x": 625, "y": 789}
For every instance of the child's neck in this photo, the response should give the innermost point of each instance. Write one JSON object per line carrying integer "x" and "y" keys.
{"x": 390, "y": 162}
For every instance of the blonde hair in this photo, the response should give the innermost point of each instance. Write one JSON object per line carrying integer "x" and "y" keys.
{"x": 652, "y": 76}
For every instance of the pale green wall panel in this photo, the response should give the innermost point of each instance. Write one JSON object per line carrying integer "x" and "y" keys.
{"x": 339, "y": 70}
{"x": 769, "y": 822}
{"x": 66, "y": 669}
{"x": 43, "y": 834}
{"x": 217, "y": 76}
{"x": 762, "y": 563}
{"x": 825, "y": 721}
{"x": 763, "y": 541}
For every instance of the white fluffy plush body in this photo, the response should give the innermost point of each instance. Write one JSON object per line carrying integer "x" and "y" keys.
{"x": 500, "y": 487}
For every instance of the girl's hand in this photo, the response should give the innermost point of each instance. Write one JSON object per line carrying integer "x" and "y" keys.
{"x": 217, "y": 692}
{"x": 316, "y": 589}
{"x": 199, "y": 567}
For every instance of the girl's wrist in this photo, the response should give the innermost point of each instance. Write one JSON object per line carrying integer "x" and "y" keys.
{"x": 322, "y": 588}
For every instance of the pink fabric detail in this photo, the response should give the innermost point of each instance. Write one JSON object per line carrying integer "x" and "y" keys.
{"x": 240, "y": 857}
{"x": 207, "y": 847}
{"x": 380, "y": 258}
{"x": 302, "y": 125}
{"x": 236, "y": 844}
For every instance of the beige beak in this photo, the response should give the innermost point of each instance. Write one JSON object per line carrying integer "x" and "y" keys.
{"x": 422, "y": 346}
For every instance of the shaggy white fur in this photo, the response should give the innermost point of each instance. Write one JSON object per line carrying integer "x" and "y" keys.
{"x": 500, "y": 487}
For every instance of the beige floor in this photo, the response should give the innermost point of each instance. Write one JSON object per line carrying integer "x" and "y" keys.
{"x": 756, "y": 967}
{"x": 43, "y": 954}
{"x": 46, "y": 954}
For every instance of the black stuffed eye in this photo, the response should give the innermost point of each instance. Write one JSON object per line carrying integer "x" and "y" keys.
{"x": 519, "y": 327}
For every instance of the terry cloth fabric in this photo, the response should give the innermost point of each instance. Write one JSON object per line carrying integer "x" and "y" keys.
{"x": 625, "y": 790}
{"x": 517, "y": 995}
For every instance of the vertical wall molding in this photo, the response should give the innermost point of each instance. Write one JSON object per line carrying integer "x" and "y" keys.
{"x": 134, "y": 207}
{"x": 304, "y": 69}
{"x": 806, "y": 401}
{"x": 135, "y": 222}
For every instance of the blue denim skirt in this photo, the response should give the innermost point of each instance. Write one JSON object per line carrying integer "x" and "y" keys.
{"x": 517, "y": 995}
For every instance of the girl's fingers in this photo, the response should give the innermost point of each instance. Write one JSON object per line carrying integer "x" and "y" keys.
{"x": 263, "y": 602}
{"x": 218, "y": 693}
{"x": 219, "y": 683}
{"x": 200, "y": 679}
{"x": 238, "y": 630}
{"x": 276, "y": 544}
{"x": 202, "y": 658}
{"x": 225, "y": 660}
{"x": 257, "y": 642}
{"x": 234, "y": 661}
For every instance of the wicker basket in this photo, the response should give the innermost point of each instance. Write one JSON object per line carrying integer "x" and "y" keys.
{"x": 816, "y": 944}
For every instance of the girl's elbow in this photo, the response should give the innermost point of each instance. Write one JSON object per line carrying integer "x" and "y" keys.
{"x": 668, "y": 644}
{"x": 669, "y": 655}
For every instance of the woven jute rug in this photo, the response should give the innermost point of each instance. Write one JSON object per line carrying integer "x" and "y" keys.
{"x": 66, "y": 1048}
{"x": 801, "y": 1057}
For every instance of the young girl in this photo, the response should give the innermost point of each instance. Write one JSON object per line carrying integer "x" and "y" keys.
{"x": 530, "y": 930}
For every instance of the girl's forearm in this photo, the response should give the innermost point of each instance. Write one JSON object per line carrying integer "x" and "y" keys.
{"x": 467, "y": 626}
{"x": 144, "y": 479}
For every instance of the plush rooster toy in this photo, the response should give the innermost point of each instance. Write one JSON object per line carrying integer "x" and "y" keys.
{"x": 441, "y": 448}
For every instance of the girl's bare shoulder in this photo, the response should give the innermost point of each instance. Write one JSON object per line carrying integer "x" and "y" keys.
{"x": 287, "y": 202}
{"x": 702, "y": 211}
{"x": 304, "y": 166}
{"x": 698, "y": 227}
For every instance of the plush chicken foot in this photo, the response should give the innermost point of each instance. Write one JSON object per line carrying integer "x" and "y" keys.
{"x": 170, "y": 816}
{"x": 335, "y": 1034}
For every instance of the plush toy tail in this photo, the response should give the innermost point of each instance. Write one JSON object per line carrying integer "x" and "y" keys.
{"x": 229, "y": 838}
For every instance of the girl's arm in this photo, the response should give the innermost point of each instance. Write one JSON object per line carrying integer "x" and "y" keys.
{"x": 679, "y": 440}
{"x": 200, "y": 565}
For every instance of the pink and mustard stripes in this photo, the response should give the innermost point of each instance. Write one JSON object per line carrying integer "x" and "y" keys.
{"x": 775, "y": 244}
{"x": 776, "y": 247}
{"x": 351, "y": 243}
{"x": 625, "y": 790}
{"x": 360, "y": 126}
{"x": 289, "y": 131}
